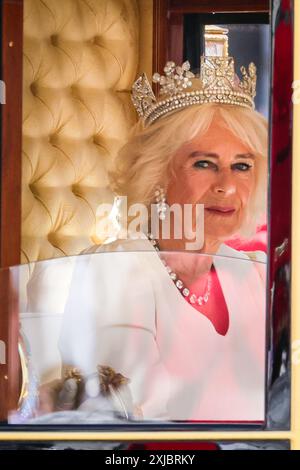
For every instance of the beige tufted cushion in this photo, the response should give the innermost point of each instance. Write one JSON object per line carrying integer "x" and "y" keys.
{"x": 80, "y": 59}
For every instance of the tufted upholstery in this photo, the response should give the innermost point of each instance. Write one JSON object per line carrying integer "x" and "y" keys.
{"x": 80, "y": 59}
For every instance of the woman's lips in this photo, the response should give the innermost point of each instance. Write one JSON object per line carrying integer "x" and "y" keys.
{"x": 219, "y": 210}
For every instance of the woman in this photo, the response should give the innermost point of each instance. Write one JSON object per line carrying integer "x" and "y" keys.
{"x": 186, "y": 359}
{"x": 185, "y": 326}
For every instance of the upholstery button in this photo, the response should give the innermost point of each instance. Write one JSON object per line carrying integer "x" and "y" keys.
{"x": 34, "y": 88}
{"x": 33, "y": 188}
{"x": 54, "y": 39}
{"x": 96, "y": 40}
{"x": 53, "y": 139}
{"x": 75, "y": 189}
{"x": 51, "y": 238}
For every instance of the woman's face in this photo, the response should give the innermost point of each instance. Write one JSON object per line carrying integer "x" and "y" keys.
{"x": 217, "y": 170}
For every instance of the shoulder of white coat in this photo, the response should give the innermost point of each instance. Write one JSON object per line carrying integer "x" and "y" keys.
{"x": 127, "y": 244}
{"x": 259, "y": 259}
{"x": 121, "y": 257}
{"x": 258, "y": 255}
{"x": 120, "y": 266}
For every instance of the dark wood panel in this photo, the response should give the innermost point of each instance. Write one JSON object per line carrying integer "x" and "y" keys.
{"x": 4, "y": 286}
{"x": 160, "y": 34}
{"x": 11, "y": 131}
{"x": 175, "y": 43}
{"x": 10, "y": 194}
{"x": 220, "y": 6}
{"x": 9, "y": 334}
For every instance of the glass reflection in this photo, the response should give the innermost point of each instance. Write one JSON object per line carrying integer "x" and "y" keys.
{"x": 108, "y": 337}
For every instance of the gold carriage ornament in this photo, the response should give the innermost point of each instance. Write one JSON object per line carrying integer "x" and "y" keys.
{"x": 180, "y": 88}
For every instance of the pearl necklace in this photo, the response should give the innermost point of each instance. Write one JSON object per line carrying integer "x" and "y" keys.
{"x": 192, "y": 298}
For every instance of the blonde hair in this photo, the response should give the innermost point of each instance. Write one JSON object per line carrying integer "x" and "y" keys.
{"x": 145, "y": 161}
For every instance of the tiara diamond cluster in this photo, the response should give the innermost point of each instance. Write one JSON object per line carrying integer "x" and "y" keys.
{"x": 176, "y": 78}
{"x": 180, "y": 88}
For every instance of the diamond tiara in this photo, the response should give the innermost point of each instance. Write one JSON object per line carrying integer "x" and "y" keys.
{"x": 180, "y": 88}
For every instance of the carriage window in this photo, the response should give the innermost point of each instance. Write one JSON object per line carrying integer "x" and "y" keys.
{"x": 154, "y": 261}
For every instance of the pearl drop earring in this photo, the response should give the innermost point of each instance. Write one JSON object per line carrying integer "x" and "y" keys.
{"x": 161, "y": 205}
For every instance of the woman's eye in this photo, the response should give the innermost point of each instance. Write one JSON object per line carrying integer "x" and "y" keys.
{"x": 241, "y": 166}
{"x": 205, "y": 164}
